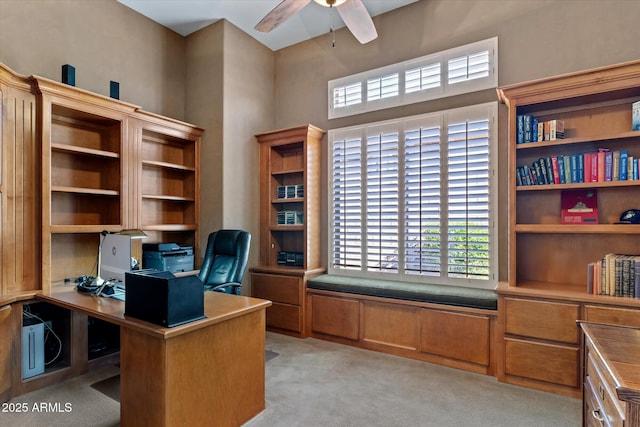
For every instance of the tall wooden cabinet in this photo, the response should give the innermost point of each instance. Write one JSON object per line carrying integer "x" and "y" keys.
{"x": 290, "y": 223}
{"x": 72, "y": 165}
{"x": 547, "y": 289}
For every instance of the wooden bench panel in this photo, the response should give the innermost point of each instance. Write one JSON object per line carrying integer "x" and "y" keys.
{"x": 391, "y": 324}
{"x": 456, "y": 335}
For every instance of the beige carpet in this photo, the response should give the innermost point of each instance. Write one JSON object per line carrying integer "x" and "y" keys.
{"x": 317, "y": 383}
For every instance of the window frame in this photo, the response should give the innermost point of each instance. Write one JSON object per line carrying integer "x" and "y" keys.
{"x": 444, "y": 89}
{"x": 488, "y": 111}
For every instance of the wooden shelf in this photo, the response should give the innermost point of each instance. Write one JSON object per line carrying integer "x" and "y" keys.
{"x": 84, "y": 151}
{"x": 168, "y": 165}
{"x": 290, "y": 200}
{"x": 578, "y": 229}
{"x": 169, "y": 198}
{"x": 287, "y": 172}
{"x": 617, "y": 137}
{"x": 80, "y": 190}
{"x": 602, "y": 184}
{"x": 170, "y": 227}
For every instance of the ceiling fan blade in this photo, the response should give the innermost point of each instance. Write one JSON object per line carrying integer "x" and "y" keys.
{"x": 280, "y": 14}
{"x": 357, "y": 19}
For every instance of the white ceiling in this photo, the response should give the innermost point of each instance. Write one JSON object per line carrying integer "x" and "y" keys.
{"x": 187, "y": 16}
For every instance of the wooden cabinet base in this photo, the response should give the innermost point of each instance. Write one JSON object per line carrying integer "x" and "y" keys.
{"x": 457, "y": 337}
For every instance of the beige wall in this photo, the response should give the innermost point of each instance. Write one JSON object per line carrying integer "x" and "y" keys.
{"x": 536, "y": 38}
{"x": 104, "y": 41}
{"x": 221, "y": 79}
{"x": 230, "y": 92}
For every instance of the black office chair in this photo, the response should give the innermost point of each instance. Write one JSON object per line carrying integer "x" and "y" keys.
{"x": 225, "y": 261}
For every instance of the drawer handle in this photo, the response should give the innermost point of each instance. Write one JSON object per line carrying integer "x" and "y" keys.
{"x": 601, "y": 390}
{"x": 598, "y": 416}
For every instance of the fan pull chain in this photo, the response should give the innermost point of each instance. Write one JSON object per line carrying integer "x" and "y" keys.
{"x": 331, "y": 29}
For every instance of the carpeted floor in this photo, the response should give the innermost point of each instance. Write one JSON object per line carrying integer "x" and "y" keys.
{"x": 316, "y": 383}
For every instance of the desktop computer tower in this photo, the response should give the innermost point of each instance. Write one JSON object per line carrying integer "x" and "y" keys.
{"x": 32, "y": 348}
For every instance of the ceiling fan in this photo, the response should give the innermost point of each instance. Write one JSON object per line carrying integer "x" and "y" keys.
{"x": 352, "y": 12}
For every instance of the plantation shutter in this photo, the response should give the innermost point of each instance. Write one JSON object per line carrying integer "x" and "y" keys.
{"x": 347, "y": 197}
{"x": 422, "y": 199}
{"x": 382, "y": 200}
{"x": 468, "y": 199}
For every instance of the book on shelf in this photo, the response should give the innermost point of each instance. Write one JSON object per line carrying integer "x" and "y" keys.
{"x": 635, "y": 116}
{"x": 603, "y": 165}
{"x": 556, "y": 129}
{"x": 579, "y": 206}
{"x": 530, "y": 129}
{"x": 616, "y": 275}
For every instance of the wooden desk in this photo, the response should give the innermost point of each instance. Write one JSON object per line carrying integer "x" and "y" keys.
{"x": 205, "y": 373}
{"x": 611, "y": 394}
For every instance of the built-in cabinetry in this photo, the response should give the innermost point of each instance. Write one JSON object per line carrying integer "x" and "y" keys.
{"x": 76, "y": 164}
{"x": 547, "y": 288}
{"x": 611, "y": 376}
{"x": 289, "y": 223}
{"x": 106, "y": 165}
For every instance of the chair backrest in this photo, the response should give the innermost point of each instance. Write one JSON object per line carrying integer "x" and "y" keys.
{"x": 225, "y": 259}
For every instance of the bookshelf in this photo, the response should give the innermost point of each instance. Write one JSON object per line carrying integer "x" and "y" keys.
{"x": 289, "y": 223}
{"x": 547, "y": 281}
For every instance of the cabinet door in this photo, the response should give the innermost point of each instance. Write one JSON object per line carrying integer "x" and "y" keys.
{"x": 7, "y": 334}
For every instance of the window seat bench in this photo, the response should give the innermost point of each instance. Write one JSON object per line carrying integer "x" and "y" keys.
{"x": 449, "y": 325}
{"x": 423, "y": 292}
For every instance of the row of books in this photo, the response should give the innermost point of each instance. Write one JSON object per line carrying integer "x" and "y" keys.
{"x": 601, "y": 166}
{"x": 614, "y": 275}
{"x": 530, "y": 129}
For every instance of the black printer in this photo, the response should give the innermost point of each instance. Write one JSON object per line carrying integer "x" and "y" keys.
{"x": 167, "y": 257}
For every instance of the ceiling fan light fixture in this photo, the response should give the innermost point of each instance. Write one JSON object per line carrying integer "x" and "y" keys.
{"x": 330, "y": 3}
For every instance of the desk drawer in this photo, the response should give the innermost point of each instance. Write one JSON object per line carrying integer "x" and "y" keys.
{"x": 277, "y": 288}
{"x": 593, "y": 415}
{"x": 546, "y": 320}
{"x": 602, "y": 384}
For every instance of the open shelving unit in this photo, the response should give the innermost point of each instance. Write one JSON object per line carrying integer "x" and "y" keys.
{"x": 546, "y": 292}
{"x": 289, "y": 223}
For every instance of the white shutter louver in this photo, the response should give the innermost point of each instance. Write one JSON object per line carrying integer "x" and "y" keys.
{"x": 382, "y": 202}
{"x": 422, "y": 205}
{"x": 347, "y": 209}
{"x": 468, "y": 199}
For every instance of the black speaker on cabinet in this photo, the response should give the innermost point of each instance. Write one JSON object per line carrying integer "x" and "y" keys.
{"x": 114, "y": 89}
{"x": 69, "y": 74}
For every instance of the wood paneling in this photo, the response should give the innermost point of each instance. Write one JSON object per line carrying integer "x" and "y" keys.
{"x": 459, "y": 336}
{"x": 335, "y": 316}
{"x": 391, "y": 325}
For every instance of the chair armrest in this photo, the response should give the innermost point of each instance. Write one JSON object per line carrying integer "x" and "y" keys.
{"x": 235, "y": 287}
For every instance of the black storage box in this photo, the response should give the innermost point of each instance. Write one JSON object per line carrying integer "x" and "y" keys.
{"x": 161, "y": 298}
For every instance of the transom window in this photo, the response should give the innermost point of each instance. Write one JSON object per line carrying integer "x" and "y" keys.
{"x": 455, "y": 71}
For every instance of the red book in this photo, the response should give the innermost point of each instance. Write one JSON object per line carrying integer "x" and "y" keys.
{"x": 587, "y": 167}
{"x": 579, "y": 206}
{"x": 556, "y": 172}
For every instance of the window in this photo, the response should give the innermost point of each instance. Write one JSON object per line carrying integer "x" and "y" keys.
{"x": 415, "y": 198}
{"x": 455, "y": 71}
